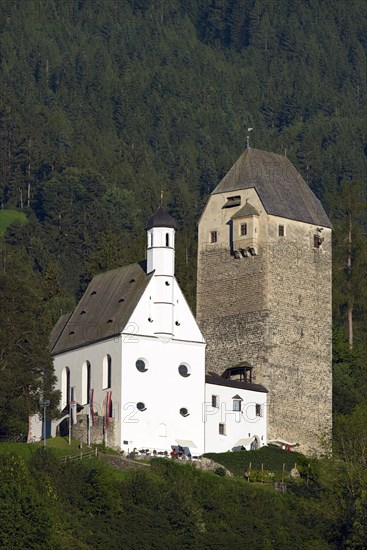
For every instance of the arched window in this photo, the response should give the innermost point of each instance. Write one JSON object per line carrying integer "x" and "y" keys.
{"x": 86, "y": 382}
{"x": 65, "y": 387}
{"x": 107, "y": 372}
{"x": 167, "y": 239}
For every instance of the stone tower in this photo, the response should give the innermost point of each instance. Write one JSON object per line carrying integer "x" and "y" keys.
{"x": 264, "y": 292}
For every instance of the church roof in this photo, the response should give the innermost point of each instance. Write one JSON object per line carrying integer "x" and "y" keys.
{"x": 103, "y": 311}
{"x": 281, "y": 189}
{"x": 58, "y": 328}
{"x": 246, "y": 210}
{"x": 160, "y": 218}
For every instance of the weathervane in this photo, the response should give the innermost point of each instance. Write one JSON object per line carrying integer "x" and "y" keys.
{"x": 248, "y": 137}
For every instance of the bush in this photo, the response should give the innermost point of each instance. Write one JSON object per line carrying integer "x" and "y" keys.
{"x": 220, "y": 471}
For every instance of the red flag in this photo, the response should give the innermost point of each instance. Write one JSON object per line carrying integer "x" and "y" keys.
{"x": 73, "y": 406}
{"x": 91, "y": 404}
{"x": 108, "y": 407}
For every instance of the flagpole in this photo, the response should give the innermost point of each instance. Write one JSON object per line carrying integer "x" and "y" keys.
{"x": 69, "y": 415}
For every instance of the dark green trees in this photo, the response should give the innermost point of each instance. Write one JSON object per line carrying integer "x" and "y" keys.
{"x": 25, "y": 363}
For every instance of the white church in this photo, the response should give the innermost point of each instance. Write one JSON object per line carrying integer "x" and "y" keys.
{"x": 130, "y": 359}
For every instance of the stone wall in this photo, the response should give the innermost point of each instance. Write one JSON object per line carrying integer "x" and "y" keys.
{"x": 97, "y": 432}
{"x": 233, "y": 309}
{"x": 273, "y": 310}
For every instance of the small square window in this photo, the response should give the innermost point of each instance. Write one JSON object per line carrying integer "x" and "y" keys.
{"x": 222, "y": 429}
{"x": 317, "y": 241}
{"x": 243, "y": 229}
{"x": 237, "y": 405}
{"x": 215, "y": 401}
{"x": 213, "y": 236}
{"x": 281, "y": 231}
{"x": 258, "y": 410}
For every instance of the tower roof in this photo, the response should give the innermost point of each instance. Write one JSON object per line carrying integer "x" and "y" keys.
{"x": 246, "y": 210}
{"x": 160, "y": 218}
{"x": 280, "y": 187}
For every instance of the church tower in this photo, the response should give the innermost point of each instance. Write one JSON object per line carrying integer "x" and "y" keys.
{"x": 264, "y": 292}
{"x": 160, "y": 229}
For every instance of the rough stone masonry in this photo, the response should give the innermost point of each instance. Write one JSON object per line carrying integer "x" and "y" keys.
{"x": 264, "y": 292}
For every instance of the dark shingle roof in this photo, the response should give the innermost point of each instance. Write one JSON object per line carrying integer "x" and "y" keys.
{"x": 160, "y": 218}
{"x": 280, "y": 187}
{"x": 104, "y": 309}
{"x": 219, "y": 381}
{"x": 246, "y": 210}
{"x": 58, "y": 328}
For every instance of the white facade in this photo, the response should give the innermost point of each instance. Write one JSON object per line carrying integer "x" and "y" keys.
{"x": 95, "y": 354}
{"x": 237, "y": 420}
{"x": 155, "y": 369}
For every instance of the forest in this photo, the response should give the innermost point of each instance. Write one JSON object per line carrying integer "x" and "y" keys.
{"x": 104, "y": 103}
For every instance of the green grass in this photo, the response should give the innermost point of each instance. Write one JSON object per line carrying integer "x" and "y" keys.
{"x": 7, "y": 217}
{"x": 19, "y": 449}
{"x": 59, "y": 445}
{"x": 271, "y": 458}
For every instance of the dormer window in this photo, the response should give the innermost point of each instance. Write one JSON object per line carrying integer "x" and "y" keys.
{"x": 243, "y": 229}
{"x": 233, "y": 201}
{"x": 213, "y": 237}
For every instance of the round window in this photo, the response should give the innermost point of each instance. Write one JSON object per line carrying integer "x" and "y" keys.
{"x": 184, "y": 412}
{"x": 184, "y": 370}
{"x": 141, "y": 365}
{"x": 141, "y": 406}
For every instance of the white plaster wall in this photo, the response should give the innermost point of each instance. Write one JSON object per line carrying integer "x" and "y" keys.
{"x": 238, "y": 425}
{"x": 162, "y": 388}
{"x": 160, "y": 257}
{"x": 164, "y": 391}
{"x": 139, "y": 324}
{"x": 94, "y": 353}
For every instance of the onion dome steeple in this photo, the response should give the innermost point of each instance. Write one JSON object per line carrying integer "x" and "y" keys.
{"x": 160, "y": 218}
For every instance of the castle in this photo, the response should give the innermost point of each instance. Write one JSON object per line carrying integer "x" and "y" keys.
{"x": 141, "y": 372}
{"x": 264, "y": 292}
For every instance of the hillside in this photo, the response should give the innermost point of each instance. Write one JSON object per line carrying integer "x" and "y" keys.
{"x": 49, "y": 504}
{"x": 104, "y": 104}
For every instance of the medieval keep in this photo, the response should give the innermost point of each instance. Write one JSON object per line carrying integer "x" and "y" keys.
{"x": 136, "y": 370}
{"x": 264, "y": 292}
